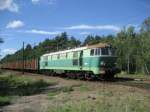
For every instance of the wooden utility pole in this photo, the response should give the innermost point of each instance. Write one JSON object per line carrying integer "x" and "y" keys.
{"x": 23, "y": 58}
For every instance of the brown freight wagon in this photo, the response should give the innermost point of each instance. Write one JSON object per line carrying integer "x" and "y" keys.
{"x": 31, "y": 64}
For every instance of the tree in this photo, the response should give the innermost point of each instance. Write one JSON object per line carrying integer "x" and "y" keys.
{"x": 1, "y": 41}
{"x": 28, "y": 47}
{"x": 62, "y": 41}
{"x": 73, "y": 42}
{"x": 126, "y": 49}
{"x": 28, "y": 52}
{"x": 130, "y": 48}
{"x": 120, "y": 48}
{"x": 145, "y": 45}
{"x": 89, "y": 40}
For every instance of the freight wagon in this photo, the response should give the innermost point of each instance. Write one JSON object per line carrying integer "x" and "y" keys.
{"x": 29, "y": 65}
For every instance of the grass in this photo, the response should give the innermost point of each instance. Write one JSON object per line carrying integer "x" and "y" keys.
{"x": 13, "y": 85}
{"x": 80, "y": 97}
{"x": 135, "y": 76}
{"x": 84, "y": 88}
{"x": 52, "y": 94}
{"x": 106, "y": 101}
{"x": 138, "y": 84}
{"x": 106, "y": 93}
{"x": 134, "y": 80}
{"x": 125, "y": 103}
{"x": 66, "y": 89}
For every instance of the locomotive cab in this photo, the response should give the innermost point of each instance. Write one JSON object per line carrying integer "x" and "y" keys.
{"x": 106, "y": 60}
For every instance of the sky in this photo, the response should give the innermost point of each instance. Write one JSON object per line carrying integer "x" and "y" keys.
{"x": 32, "y": 21}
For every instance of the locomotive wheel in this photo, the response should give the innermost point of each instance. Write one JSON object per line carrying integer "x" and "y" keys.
{"x": 80, "y": 76}
{"x": 68, "y": 75}
{"x": 88, "y": 76}
{"x": 108, "y": 76}
{"x": 73, "y": 75}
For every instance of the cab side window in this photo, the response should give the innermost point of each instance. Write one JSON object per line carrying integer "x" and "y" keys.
{"x": 104, "y": 51}
{"x": 75, "y": 58}
{"x": 92, "y": 52}
{"x": 97, "y": 52}
{"x": 58, "y": 56}
{"x": 46, "y": 60}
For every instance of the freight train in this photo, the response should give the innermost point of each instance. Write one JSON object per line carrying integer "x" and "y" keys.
{"x": 92, "y": 61}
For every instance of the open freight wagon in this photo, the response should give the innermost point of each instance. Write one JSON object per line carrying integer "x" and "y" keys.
{"x": 30, "y": 64}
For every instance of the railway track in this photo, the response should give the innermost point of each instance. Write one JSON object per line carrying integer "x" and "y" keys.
{"x": 142, "y": 84}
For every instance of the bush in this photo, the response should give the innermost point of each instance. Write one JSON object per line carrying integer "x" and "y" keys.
{"x": 4, "y": 101}
{"x": 11, "y": 85}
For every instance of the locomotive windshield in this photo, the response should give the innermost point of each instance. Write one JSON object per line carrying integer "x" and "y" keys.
{"x": 103, "y": 51}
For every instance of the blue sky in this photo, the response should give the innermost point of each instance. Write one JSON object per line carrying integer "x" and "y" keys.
{"x": 34, "y": 20}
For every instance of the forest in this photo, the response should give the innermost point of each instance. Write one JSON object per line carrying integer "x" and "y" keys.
{"x": 132, "y": 47}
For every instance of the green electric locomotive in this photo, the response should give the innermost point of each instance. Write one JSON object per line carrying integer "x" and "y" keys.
{"x": 86, "y": 62}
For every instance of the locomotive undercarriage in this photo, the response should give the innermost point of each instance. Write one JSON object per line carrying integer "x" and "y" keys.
{"x": 83, "y": 75}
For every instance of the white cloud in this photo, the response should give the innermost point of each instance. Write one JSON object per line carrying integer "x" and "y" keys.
{"x": 42, "y": 32}
{"x": 35, "y": 1}
{"x": 92, "y": 27}
{"x": 8, "y": 51}
{"x": 9, "y": 5}
{"x": 49, "y": 2}
{"x": 85, "y": 33}
{"x": 15, "y": 24}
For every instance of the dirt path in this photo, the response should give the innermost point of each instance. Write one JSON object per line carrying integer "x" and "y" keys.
{"x": 82, "y": 90}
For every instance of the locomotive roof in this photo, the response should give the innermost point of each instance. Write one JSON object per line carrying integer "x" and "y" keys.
{"x": 65, "y": 51}
{"x": 100, "y": 45}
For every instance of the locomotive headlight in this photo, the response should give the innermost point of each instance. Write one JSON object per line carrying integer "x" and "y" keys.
{"x": 102, "y": 63}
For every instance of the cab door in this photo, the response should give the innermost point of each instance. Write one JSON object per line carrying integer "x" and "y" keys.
{"x": 81, "y": 60}
{"x": 75, "y": 58}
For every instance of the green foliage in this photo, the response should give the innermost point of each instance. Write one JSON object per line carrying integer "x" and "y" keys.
{"x": 12, "y": 85}
{"x": 5, "y": 100}
{"x": 84, "y": 88}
